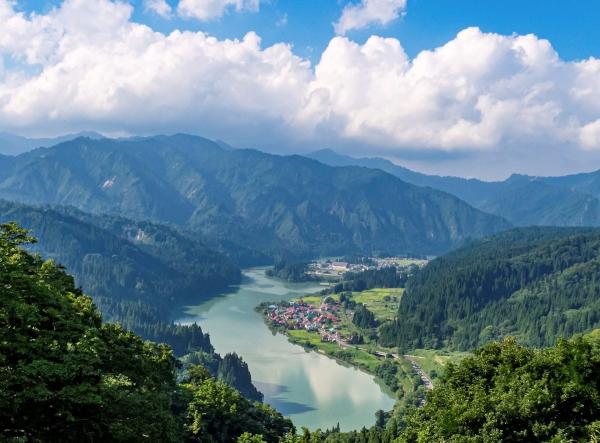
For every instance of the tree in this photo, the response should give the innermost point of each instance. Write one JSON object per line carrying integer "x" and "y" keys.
{"x": 218, "y": 413}
{"x": 507, "y": 392}
{"x": 63, "y": 374}
{"x": 246, "y": 437}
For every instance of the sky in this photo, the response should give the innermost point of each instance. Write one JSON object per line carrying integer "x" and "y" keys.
{"x": 471, "y": 88}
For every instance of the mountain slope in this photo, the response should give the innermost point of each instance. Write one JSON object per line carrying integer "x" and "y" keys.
{"x": 538, "y": 284}
{"x": 123, "y": 259}
{"x": 273, "y": 204}
{"x": 522, "y": 200}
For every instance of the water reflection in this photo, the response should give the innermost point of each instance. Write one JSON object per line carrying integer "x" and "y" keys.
{"x": 311, "y": 388}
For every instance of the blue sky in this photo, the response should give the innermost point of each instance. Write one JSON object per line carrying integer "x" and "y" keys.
{"x": 570, "y": 25}
{"x": 508, "y": 86}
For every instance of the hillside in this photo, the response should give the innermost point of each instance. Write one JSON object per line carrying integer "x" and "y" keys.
{"x": 136, "y": 272}
{"x": 537, "y": 284}
{"x": 124, "y": 259}
{"x": 67, "y": 376}
{"x": 275, "y": 205}
{"x": 520, "y": 199}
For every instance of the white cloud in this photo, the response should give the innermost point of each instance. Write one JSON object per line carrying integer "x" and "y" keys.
{"x": 86, "y": 65}
{"x": 367, "y": 13}
{"x": 210, "y": 9}
{"x": 160, "y": 7}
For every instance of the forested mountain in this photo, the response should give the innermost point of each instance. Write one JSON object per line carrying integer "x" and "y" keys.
{"x": 537, "y": 284}
{"x": 136, "y": 272}
{"x": 522, "y": 200}
{"x": 124, "y": 259}
{"x": 275, "y": 205}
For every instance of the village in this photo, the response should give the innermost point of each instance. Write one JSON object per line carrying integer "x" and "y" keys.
{"x": 333, "y": 269}
{"x": 323, "y": 319}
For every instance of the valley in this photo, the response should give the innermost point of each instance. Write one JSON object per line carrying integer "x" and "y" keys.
{"x": 170, "y": 236}
{"x": 328, "y": 324}
{"x": 314, "y": 390}
{"x": 333, "y": 221}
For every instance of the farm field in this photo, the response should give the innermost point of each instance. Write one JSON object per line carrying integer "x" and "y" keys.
{"x": 383, "y": 302}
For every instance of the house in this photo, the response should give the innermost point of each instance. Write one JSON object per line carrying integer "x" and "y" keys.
{"x": 339, "y": 266}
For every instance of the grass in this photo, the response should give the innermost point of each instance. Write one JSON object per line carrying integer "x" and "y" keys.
{"x": 412, "y": 261}
{"x": 352, "y": 356}
{"x": 435, "y": 360}
{"x": 312, "y": 299}
{"x": 383, "y": 302}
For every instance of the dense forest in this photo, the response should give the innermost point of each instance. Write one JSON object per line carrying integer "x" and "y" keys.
{"x": 504, "y": 392}
{"x": 387, "y": 277}
{"x": 67, "y": 376}
{"x": 537, "y": 284}
{"x": 136, "y": 272}
{"x": 125, "y": 259}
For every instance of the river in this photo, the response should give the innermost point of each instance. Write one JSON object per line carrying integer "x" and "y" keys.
{"x": 314, "y": 390}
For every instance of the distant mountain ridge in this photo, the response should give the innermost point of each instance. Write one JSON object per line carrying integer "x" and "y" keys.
{"x": 273, "y": 205}
{"x": 11, "y": 144}
{"x": 523, "y": 200}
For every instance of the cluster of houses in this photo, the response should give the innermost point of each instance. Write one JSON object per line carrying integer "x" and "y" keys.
{"x": 331, "y": 270}
{"x": 323, "y": 319}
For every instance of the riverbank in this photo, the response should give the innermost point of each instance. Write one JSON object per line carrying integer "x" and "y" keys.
{"x": 311, "y": 388}
{"x": 324, "y": 324}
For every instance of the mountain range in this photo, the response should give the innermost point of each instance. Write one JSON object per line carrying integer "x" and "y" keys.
{"x": 11, "y": 144}
{"x": 572, "y": 200}
{"x": 245, "y": 200}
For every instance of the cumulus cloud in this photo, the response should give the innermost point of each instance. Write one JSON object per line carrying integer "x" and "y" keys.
{"x": 160, "y": 7}
{"x": 210, "y": 9}
{"x": 87, "y": 65}
{"x": 367, "y": 13}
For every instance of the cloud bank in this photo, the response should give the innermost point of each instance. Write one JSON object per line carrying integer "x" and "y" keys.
{"x": 367, "y": 13}
{"x": 87, "y": 65}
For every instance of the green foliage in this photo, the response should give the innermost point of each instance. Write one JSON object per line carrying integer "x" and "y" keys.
{"x": 234, "y": 372}
{"x": 246, "y": 437}
{"x": 388, "y": 277}
{"x": 124, "y": 259}
{"x": 388, "y": 372}
{"x": 538, "y": 284}
{"x": 218, "y": 413}
{"x": 506, "y": 392}
{"x": 289, "y": 271}
{"x": 63, "y": 374}
{"x": 363, "y": 318}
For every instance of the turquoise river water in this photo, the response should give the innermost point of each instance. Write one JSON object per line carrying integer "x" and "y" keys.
{"x": 314, "y": 390}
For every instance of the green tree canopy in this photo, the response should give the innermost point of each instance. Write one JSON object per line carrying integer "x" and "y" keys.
{"x": 507, "y": 392}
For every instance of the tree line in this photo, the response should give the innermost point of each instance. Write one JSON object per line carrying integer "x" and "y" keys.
{"x": 537, "y": 284}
